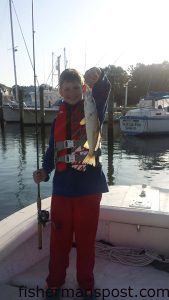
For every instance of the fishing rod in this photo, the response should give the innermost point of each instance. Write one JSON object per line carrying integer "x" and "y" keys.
{"x": 43, "y": 215}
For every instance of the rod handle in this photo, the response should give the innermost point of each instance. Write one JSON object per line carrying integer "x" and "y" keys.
{"x": 39, "y": 236}
{"x": 39, "y": 224}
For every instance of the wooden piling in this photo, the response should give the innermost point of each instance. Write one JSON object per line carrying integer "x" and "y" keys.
{"x": 21, "y": 109}
{"x": 1, "y": 112}
{"x": 43, "y": 145}
{"x": 42, "y": 112}
{"x": 110, "y": 129}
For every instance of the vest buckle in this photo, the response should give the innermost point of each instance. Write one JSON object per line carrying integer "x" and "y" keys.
{"x": 68, "y": 144}
{"x": 70, "y": 158}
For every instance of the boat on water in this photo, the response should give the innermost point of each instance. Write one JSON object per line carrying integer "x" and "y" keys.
{"x": 11, "y": 110}
{"x": 151, "y": 117}
{"x": 132, "y": 249}
{"x": 12, "y": 115}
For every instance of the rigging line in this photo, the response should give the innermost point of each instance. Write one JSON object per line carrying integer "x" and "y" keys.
{"x": 24, "y": 39}
{"x": 54, "y": 66}
{"x": 119, "y": 56}
{"x": 50, "y": 83}
{"x": 37, "y": 140}
{"x": 49, "y": 76}
{"x": 114, "y": 60}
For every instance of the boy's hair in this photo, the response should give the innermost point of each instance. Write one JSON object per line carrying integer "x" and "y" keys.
{"x": 70, "y": 75}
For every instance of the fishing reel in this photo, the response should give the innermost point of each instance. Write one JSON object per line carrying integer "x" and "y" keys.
{"x": 43, "y": 217}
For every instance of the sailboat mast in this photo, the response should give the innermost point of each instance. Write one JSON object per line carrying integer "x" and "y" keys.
{"x": 13, "y": 51}
{"x": 52, "y": 69}
{"x": 65, "y": 59}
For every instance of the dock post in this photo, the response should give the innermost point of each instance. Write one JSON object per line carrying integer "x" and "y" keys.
{"x": 21, "y": 106}
{"x": 110, "y": 117}
{"x": 1, "y": 112}
{"x": 42, "y": 112}
{"x": 43, "y": 140}
{"x": 110, "y": 136}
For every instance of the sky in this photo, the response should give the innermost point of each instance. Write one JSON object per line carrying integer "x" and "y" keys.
{"x": 93, "y": 32}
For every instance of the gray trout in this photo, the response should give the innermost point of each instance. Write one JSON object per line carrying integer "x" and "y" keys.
{"x": 92, "y": 127}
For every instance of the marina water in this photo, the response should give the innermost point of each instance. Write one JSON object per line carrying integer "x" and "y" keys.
{"x": 127, "y": 161}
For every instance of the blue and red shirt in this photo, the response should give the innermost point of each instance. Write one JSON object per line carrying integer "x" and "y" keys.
{"x": 72, "y": 182}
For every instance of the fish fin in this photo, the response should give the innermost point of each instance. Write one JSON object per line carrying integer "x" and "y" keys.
{"x": 98, "y": 141}
{"x": 86, "y": 145}
{"x": 83, "y": 121}
{"x": 90, "y": 160}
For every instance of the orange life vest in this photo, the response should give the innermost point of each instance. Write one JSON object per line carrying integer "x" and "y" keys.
{"x": 69, "y": 137}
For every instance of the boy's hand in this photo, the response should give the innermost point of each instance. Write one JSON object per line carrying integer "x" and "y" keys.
{"x": 92, "y": 76}
{"x": 39, "y": 175}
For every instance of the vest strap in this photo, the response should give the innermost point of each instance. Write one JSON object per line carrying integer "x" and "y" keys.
{"x": 69, "y": 144}
{"x": 71, "y": 158}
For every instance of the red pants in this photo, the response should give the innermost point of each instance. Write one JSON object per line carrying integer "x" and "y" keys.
{"x": 70, "y": 215}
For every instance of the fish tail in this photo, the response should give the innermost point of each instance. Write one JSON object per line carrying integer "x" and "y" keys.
{"x": 90, "y": 160}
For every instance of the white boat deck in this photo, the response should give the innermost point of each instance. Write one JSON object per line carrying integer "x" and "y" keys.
{"x": 111, "y": 279}
{"x": 126, "y": 219}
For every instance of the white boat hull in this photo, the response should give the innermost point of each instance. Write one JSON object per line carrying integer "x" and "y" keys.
{"x": 144, "y": 125}
{"x": 12, "y": 114}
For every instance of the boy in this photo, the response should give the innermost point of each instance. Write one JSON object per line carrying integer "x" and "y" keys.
{"x": 77, "y": 187}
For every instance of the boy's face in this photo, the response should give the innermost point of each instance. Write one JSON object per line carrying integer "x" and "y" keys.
{"x": 71, "y": 91}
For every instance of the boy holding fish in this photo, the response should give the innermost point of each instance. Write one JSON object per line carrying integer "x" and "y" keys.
{"x": 78, "y": 183}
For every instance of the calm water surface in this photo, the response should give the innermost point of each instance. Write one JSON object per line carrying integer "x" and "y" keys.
{"x": 129, "y": 160}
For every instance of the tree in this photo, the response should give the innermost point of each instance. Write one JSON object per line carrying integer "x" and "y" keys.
{"x": 145, "y": 78}
{"x": 118, "y": 78}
